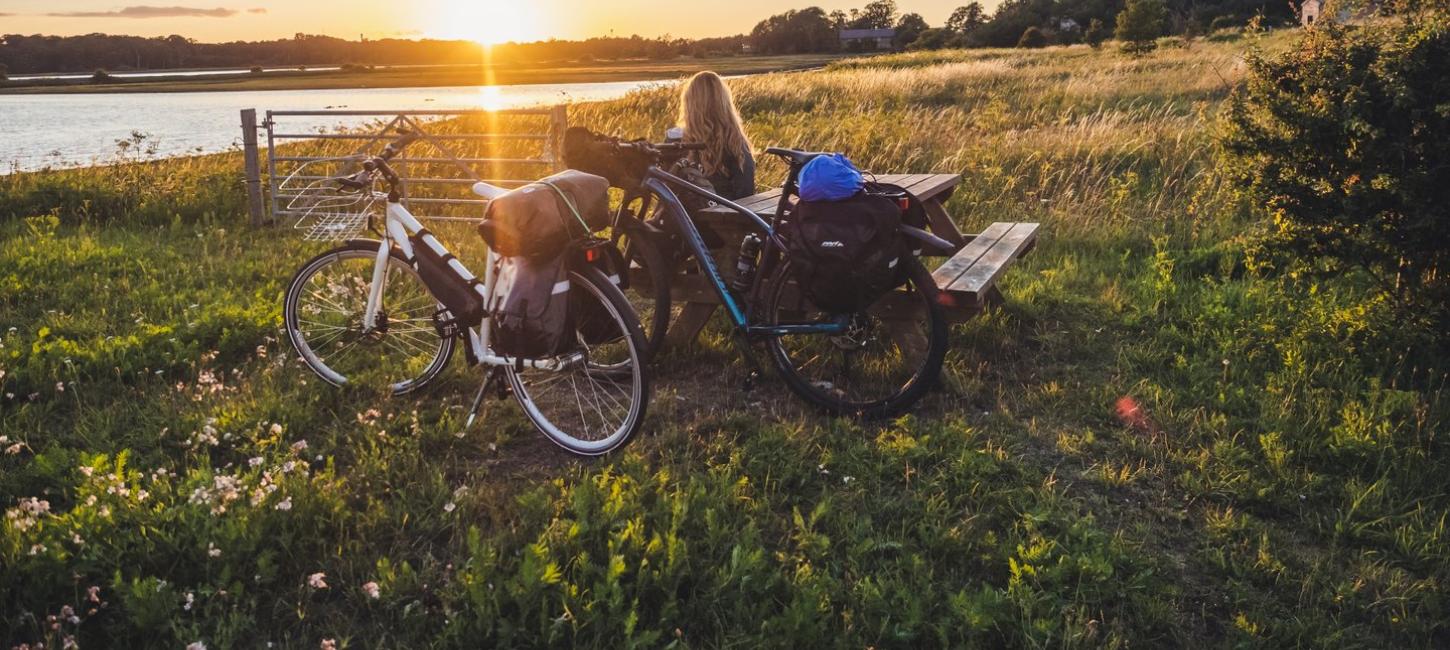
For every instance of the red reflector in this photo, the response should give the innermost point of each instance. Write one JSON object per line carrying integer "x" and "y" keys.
{"x": 904, "y": 203}
{"x": 946, "y": 300}
{"x": 591, "y": 255}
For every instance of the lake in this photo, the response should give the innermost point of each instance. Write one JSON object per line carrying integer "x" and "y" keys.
{"x": 63, "y": 130}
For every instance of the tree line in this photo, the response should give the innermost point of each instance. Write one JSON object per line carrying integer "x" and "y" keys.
{"x": 1015, "y": 22}
{"x": 21, "y": 54}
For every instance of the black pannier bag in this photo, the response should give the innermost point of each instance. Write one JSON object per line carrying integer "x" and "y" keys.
{"x": 540, "y": 219}
{"x": 914, "y": 214}
{"x": 846, "y": 254}
{"x": 531, "y": 315}
{"x": 452, "y": 285}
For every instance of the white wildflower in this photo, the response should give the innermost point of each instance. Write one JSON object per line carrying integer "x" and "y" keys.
{"x": 371, "y": 589}
{"x": 317, "y": 580}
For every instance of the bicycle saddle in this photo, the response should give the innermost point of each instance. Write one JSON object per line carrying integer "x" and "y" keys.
{"x": 796, "y": 158}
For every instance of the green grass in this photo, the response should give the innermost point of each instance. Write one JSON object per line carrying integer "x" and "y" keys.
{"x": 461, "y": 75}
{"x": 1153, "y": 442}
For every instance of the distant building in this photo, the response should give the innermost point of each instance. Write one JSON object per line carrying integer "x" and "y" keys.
{"x": 867, "y": 39}
{"x": 1309, "y": 11}
{"x": 1315, "y": 11}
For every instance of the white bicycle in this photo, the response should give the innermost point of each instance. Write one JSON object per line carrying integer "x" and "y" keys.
{"x": 361, "y": 313}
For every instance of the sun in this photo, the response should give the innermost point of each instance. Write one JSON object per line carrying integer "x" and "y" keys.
{"x": 489, "y": 22}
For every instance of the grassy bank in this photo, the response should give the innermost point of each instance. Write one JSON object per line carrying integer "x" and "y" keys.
{"x": 475, "y": 75}
{"x": 1151, "y": 444}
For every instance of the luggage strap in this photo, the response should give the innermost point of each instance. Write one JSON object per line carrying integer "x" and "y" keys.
{"x": 569, "y": 203}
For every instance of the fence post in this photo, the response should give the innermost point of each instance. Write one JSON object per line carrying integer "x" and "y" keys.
{"x": 558, "y": 123}
{"x": 254, "y": 167}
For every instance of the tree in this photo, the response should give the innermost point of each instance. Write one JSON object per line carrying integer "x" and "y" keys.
{"x": 1344, "y": 141}
{"x": 878, "y": 14}
{"x": 1032, "y": 37}
{"x": 1140, "y": 24}
{"x": 839, "y": 19}
{"x": 1096, "y": 33}
{"x": 806, "y": 30}
{"x": 935, "y": 38}
{"x": 967, "y": 18}
{"x": 908, "y": 29}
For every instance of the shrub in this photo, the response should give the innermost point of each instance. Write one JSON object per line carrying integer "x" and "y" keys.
{"x": 1032, "y": 38}
{"x": 101, "y": 77}
{"x": 1345, "y": 141}
{"x": 256, "y": 69}
{"x": 1140, "y": 24}
{"x": 1224, "y": 22}
{"x": 1096, "y": 33}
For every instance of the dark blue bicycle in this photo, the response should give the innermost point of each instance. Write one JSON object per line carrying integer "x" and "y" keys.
{"x": 875, "y": 362}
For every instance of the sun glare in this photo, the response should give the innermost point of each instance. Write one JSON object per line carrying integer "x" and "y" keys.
{"x": 485, "y": 21}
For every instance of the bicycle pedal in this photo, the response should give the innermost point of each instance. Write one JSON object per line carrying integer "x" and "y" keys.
{"x": 750, "y": 379}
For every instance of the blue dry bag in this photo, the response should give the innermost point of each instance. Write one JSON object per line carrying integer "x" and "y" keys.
{"x": 829, "y": 178}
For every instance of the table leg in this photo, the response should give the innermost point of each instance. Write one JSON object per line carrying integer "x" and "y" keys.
{"x": 693, "y": 318}
{"x": 941, "y": 223}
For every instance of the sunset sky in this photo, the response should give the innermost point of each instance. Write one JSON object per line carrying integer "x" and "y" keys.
{"x": 483, "y": 20}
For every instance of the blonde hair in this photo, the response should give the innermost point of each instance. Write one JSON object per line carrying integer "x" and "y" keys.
{"x": 708, "y": 115}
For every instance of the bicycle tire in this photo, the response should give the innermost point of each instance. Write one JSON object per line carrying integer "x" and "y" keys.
{"x": 911, "y": 390}
{"x": 593, "y": 281}
{"x": 359, "y": 249}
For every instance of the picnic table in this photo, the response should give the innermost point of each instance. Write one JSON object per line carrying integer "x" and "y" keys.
{"x": 969, "y": 276}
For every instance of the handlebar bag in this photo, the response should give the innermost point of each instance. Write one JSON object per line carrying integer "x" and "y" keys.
{"x": 449, "y": 282}
{"x": 829, "y": 178}
{"x": 531, "y": 316}
{"x": 541, "y": 218}
{"x": 845, "y": 254}
{"x": 590, "y": 152}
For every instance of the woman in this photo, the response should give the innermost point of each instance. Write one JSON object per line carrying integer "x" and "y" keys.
{"x": 709, "y": 116}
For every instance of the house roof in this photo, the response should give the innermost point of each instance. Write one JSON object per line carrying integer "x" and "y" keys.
{"x": 850, "y": 34}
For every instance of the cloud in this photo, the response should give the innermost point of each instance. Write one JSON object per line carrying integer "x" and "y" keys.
{"x": 148, "y": 11}
{"x": 257, "y": 10}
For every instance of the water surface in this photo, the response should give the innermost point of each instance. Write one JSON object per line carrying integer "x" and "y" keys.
{"x": 62, "y": 130}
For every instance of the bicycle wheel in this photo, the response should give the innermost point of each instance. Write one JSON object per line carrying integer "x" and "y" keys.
{"x": 649, "y": 288}
{"x": 323, "y": 315}
{"x": 596, "y": 403}
{"x": 888, "y": 358}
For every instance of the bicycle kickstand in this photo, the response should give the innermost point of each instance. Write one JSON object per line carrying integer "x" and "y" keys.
{"x": 494, "y": 379}
{"x": 752, "y": 363}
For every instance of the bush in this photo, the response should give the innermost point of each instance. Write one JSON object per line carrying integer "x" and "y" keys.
{"x": 1224, "y": 22}
{"x": 1032, "y": 38}
{"x": 101, "y": 77}
{"x": 1096, "y": 33}
{"x": 1345, "y": 142}
{"x": 256, "y": 69}
{"x": 1140, "y": 24}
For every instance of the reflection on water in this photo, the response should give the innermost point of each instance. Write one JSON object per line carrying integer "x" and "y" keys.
{"x": 60, "y": 130}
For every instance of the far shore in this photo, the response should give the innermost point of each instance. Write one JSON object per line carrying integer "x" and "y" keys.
{"x": 414, "y": 77}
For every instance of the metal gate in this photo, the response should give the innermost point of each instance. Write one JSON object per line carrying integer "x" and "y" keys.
{"x": 506, "y": 148}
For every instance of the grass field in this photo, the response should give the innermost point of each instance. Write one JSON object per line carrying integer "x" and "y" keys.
{"x": 1153, "y": 443}
{"x": 477, "y": 75}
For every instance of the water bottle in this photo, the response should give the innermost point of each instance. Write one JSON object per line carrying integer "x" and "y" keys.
{"x": 745, "y": 263}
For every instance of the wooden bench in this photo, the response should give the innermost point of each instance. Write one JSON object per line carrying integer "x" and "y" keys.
{"x": 969, "y": 276}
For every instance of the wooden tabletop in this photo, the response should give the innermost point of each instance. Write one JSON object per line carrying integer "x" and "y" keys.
{"x": 927, "y": 187}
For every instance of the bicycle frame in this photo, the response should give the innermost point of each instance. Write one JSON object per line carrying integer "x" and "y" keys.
{"x": 399, "y": 226}
{"x": 660, "y": 183}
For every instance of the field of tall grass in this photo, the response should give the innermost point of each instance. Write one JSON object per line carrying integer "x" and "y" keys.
{"x": 1154, "y": 442}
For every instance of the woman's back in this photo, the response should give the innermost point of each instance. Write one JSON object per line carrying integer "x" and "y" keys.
{"x": 709, "y": 116}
